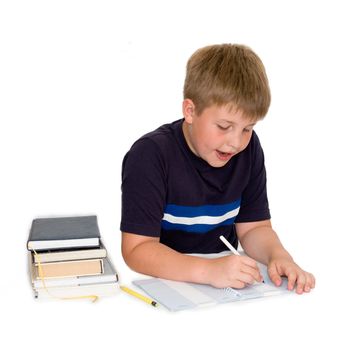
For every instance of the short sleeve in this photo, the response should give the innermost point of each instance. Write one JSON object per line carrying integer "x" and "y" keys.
{"x": 143, "y": 189}
{"x": 254, "y": 201}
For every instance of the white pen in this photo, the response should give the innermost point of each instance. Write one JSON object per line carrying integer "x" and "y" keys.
{"x": 233, "y": 250}
{"x": 229, "y": 245}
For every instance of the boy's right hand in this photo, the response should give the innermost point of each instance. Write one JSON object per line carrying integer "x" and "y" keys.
{"x": 233, "y": 271}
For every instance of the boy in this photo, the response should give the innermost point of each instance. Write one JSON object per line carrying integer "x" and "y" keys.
{"x": 187, "y": 183}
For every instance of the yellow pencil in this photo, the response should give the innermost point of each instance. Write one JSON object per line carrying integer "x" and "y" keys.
{"x": 138, "y": 295}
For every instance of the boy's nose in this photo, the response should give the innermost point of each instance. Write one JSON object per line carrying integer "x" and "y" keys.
{"x": 234, "y": 142}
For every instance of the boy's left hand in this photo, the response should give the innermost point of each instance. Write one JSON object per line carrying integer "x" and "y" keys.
{"x": 302, "y": 281}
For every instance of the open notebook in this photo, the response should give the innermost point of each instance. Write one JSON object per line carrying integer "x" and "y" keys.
{"x": 177, "y": 296}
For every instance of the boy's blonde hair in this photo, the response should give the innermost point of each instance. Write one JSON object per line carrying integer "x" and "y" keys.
{"x": 228, "y": 74}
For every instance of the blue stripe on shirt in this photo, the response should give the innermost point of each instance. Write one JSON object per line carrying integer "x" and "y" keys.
{"x": 200, "y": 219}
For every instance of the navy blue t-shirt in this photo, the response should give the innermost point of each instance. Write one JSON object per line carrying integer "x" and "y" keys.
{"x": 170, "y": 193}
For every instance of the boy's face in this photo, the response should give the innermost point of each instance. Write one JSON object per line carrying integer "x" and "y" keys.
{"x": 217, "y": 134}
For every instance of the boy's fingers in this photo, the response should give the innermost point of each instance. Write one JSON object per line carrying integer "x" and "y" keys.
{"x": 254, "y": 270}
{"x": 274, "y": 275}
{"x": 252, "y": 274}
{"x": 245, "y": 278}
{"x": 249, "y": 261}
{"x": 291, "y": 280}
{"x": 301, "y": 284}
{"x": 310, "y": 282}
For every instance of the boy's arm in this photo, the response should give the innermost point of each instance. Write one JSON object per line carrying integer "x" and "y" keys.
{"x": 261, "y": 243}
{"x": 148, "y": 256}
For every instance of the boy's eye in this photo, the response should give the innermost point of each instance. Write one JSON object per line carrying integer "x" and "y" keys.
{"x": 223, "y": 127}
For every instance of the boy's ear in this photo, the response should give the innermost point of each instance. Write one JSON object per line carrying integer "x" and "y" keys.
{"x": 188, "y": 110}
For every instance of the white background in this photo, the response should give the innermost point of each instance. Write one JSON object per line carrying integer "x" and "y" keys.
{"x": 81, "y": 80}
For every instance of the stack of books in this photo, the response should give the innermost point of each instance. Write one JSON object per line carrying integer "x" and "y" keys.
{"x": 67, "y": 259}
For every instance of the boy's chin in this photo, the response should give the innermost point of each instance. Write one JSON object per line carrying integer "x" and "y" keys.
{"x": 216, "y": 163}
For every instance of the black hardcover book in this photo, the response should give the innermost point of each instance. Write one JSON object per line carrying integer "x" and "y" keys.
{"x": 63, "y": 233}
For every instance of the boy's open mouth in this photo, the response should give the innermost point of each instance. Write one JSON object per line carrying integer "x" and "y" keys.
{"x": 223, "y": 155}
